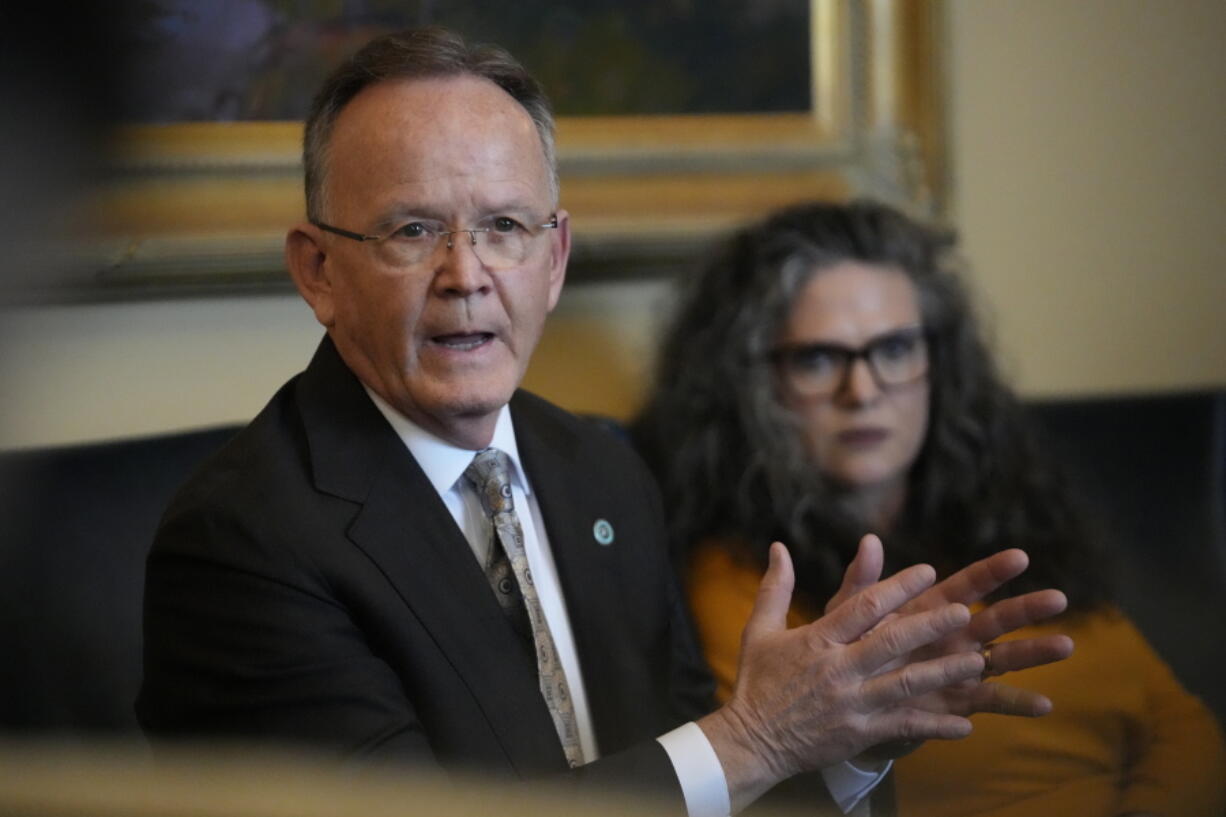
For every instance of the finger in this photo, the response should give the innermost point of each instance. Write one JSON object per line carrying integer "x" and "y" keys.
{"x": 858, "y": 614}
{"x": 920, "y": 678}
{"x": 1004, "y": 699}
{"x": 770, "y": 609}
{"x": 1009, "y": 656}
{"x": 908, "y": 724}
{"x": 864, "y": 569}
{"x": 973, "y": 582}
{"x": 902, "y": 634}
{"x": 1011, "y": 614}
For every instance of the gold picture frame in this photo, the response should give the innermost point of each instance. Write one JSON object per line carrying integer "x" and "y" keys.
{"x": 201, "y": 208}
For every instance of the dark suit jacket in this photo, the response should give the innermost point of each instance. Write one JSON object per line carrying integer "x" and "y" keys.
{"x": 308, "y": 585}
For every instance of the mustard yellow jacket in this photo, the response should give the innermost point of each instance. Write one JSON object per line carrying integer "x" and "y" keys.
{"x": 1124, "y": 736}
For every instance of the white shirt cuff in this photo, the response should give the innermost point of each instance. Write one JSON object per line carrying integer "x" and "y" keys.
{"x": 698, "y": 770}
{"x": 705, "y": 788}
{"x": 849, "y": 784}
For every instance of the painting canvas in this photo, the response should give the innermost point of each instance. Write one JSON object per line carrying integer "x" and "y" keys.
{"x": 226, "y": 60}
{"x": 678, "y": 120}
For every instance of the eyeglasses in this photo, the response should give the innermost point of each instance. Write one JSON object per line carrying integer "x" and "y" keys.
{"x": 820, "y": 369}
{"x": 500, "y": 242}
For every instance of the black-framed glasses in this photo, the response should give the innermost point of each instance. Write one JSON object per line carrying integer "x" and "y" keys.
{"x": 500, "y": 242}
{"x": 895, "y": 359}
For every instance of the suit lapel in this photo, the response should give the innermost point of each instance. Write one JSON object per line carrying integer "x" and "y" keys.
{"x": 406, "y": 530}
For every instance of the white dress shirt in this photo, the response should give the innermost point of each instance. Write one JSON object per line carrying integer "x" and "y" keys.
{"x": 695, "y": 763}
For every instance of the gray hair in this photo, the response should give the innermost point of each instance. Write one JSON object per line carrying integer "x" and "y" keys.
{"x": 419, "y": 53}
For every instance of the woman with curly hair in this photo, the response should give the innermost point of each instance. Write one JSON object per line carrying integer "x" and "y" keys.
{"x": 824, "y": 377}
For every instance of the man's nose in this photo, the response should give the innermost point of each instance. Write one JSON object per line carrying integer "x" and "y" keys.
{"x": 460, "y": 272}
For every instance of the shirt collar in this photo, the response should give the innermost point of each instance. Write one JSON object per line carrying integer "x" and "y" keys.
{"x": 443, "y": 463}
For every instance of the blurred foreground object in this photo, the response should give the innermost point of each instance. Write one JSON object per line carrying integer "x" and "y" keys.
{"x": 59, "y": 85}
{"x": 44, "y": 780}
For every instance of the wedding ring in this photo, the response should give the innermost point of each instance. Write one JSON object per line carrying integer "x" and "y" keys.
{"x": 986, "y": 652}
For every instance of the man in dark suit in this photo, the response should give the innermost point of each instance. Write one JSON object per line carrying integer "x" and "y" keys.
{"x": 316, "y": 581}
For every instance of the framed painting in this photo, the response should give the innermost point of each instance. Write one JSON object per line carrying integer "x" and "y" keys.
{"x": 654, "y": 163}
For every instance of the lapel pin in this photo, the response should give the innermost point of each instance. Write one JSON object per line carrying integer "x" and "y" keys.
{"x": 602, "y": 531}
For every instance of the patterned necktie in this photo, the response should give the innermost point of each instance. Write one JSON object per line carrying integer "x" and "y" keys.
{"x": 488, "y": 475}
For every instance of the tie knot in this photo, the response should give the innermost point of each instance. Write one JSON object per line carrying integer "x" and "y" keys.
{"x": 489, "y": 475}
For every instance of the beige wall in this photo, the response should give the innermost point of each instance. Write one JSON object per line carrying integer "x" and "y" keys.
{"x": 1090, "y": 188}
{"x": 1086, "y": 141}
{"x": 107, "y": 370}
{"x": 74, "y": 373}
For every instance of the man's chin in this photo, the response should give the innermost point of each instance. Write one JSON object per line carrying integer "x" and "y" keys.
{"x": 476, "y": 410}
{"x": 468, "y": 417}
{"x": 473, "y": 400}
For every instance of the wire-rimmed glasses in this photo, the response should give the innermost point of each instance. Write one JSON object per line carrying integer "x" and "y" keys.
{"x": 500, "y": 241}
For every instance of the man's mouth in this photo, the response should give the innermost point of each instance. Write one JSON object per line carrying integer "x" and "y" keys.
{"x": 463, "y": 342}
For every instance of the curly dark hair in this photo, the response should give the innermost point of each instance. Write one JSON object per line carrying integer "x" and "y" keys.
{"x": 731, "y": 458}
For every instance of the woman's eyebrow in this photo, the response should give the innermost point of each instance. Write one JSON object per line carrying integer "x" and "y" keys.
{"x": 908, "y": 329}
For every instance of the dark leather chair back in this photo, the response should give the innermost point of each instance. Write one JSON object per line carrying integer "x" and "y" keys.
{"x": 75, "y": 525}
{"x": 1154, "y": 470}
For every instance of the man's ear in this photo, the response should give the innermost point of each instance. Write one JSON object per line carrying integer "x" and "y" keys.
{"x": 308, "y": 266}
{"x": 559, "y": 253}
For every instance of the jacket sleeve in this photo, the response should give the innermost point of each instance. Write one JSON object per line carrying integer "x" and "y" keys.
{"x": 240, "y": 643}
